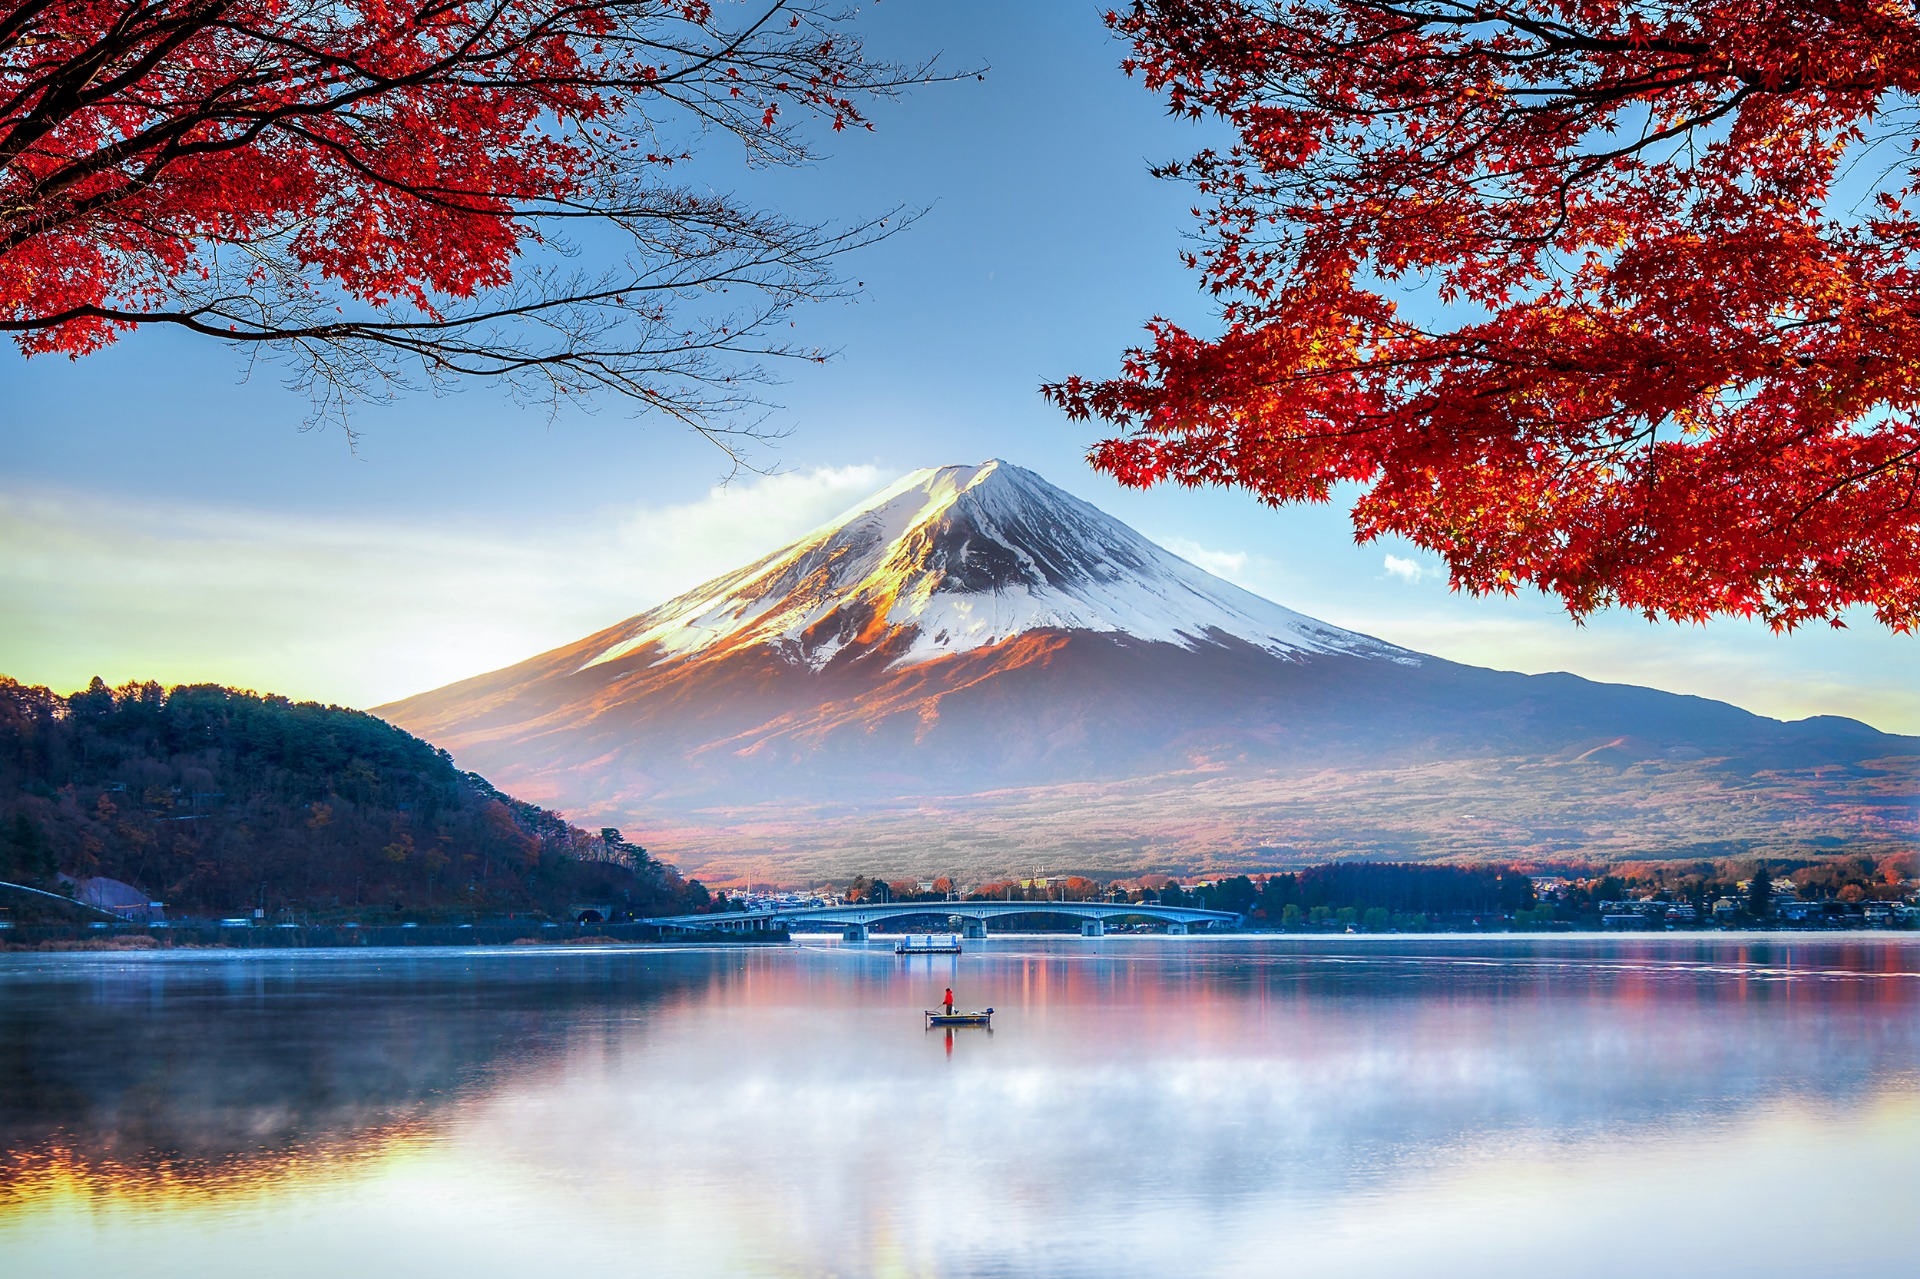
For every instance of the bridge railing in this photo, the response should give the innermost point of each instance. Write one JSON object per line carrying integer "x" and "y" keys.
{"x": 865, "y": 914}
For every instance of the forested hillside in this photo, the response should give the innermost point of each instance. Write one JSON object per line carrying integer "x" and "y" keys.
{"x": 215, "y": 800}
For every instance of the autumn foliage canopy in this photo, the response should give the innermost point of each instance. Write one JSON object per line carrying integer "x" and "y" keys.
{"x": 1615, "y": 299}
{"x": 401, "y": 189}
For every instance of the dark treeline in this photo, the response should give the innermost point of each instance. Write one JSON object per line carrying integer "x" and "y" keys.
{"x": 1378, "y": 894}
{"x": 1427, "y": 890}
{"x": 1403, "y": 897}
{"x": 215, "y": 800}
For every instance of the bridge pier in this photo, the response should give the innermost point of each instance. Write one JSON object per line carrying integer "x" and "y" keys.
{"x": 1176, "y": 930}
{"x": 972, "y": 927}
{"x": 854, "y": 932}
{"x": 1093, "y": 928}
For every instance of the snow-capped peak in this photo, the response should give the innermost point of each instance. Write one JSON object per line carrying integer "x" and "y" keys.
{"x": 961, "y": 557}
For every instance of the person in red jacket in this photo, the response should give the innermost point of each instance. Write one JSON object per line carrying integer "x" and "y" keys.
{"x": 947, "y": 999}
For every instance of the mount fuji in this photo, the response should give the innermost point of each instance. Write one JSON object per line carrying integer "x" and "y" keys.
{"x": 974, "y": 671}
{"x": 961, "y": 558}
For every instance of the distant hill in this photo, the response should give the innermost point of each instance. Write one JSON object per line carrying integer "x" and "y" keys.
{"x": 974, "y": 672}
{"x": 216, "y": 800}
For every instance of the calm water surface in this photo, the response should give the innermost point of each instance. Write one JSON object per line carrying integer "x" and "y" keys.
{"x": 1143, "y": 1106}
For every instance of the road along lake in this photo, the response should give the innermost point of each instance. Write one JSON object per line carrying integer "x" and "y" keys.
{"x": 1253, "y": 1106}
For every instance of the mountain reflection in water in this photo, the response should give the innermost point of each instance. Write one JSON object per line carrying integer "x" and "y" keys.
{"x": 1240, "y": 1105}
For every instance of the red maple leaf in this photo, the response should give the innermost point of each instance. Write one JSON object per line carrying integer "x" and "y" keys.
{"x": 386, "y": 187}
{"x": 1663, "y": 342}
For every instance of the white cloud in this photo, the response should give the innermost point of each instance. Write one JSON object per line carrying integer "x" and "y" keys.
{"x": 348, "y": 610}
{"x": 1231, "y": 565}
{"x": 735, "y": 523}
{"x": 1408, "y": 570}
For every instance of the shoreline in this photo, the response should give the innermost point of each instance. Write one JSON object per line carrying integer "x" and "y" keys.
{"x": 133, "y": 940}
{"x": 141, "y": 938}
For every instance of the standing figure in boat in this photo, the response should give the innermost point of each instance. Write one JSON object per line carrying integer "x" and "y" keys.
{"x": 947, "y": 999}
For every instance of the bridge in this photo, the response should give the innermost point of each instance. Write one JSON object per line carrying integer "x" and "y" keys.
{"x": 857, "y": 919}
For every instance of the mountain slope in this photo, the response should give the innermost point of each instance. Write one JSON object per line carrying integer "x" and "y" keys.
{"x": 215, "y": 799}
{"x": 975, "y": 642}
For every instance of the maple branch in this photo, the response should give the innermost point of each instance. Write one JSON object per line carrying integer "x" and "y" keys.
{"x": 239, "y": 168}
{"x": 1904, "y": 459}
{"x": 1662, "y": 370}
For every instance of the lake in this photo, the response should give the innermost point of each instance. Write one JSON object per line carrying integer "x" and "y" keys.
{"x": 1398, "y": 1106}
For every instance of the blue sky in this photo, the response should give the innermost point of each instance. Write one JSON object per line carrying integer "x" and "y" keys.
{"x": 164, "y": 515}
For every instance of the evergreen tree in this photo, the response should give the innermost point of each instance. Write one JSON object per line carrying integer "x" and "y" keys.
{"x": 1760, "y": 892}
{"x": 25, "y": 856}
{"x": 623, "y": 849}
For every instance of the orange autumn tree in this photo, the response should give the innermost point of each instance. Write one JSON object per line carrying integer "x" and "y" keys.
{"x": 1613, "y": 299}
{"x": 421, "y": 191}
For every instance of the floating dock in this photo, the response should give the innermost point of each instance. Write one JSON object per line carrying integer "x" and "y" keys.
{"x": 928, "y": 944}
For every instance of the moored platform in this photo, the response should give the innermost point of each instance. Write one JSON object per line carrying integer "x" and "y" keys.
{"x": 928, "y": 944}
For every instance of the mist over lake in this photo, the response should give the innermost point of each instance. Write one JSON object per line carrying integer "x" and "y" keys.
{"x": 1141, "y": 1106}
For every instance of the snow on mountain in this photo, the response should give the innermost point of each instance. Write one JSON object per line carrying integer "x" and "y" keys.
{"x": 975, "y": 670}
{"x": 957, "y": 558}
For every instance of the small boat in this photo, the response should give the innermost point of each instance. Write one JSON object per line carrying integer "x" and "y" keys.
{"x": 981, "y": 1018}
{"x": 928, "y": 944}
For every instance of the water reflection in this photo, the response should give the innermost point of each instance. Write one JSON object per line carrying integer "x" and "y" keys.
{"x": 1141, "y": 1105}
{"x": 209, "y": 1070}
